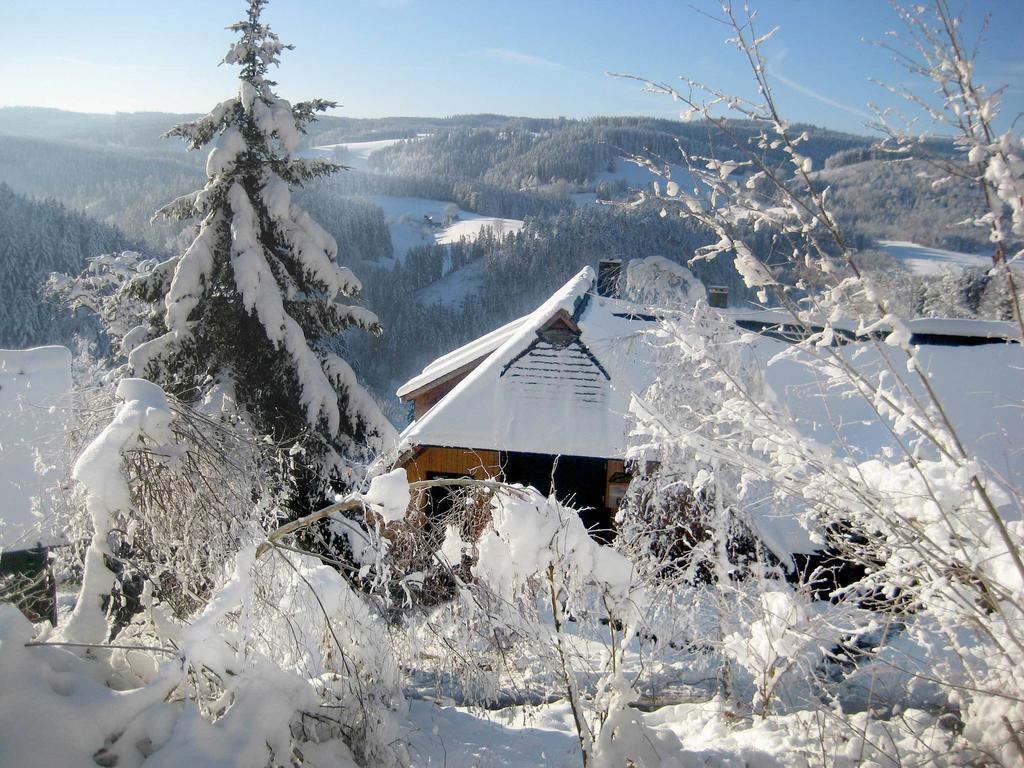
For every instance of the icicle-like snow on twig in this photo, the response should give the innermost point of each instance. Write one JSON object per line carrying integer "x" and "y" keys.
{"x": 143, "y": 414}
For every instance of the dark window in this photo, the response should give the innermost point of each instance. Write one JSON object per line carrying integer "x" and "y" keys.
{"x": 579, "y": 481}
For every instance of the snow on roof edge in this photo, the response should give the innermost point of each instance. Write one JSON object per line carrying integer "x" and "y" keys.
{"x": 460, "y": 356}
{"x": 932, "y": 326}
{"x": 564, "y": 298}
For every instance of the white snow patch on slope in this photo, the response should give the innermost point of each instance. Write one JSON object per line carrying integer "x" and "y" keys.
{"x": 470, "y": 226}
{"x": 354, "y": 154}
{"x": 409, "y": 228}
{"x": 455, "y": 287}
{"x": 923, "y": 260}
{"x": 635, "y": 177}
{"x": 640, "y": 176}
{"x": 33, "y": 386}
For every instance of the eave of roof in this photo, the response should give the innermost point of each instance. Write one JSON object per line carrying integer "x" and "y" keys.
{"x": 455, "y": 361}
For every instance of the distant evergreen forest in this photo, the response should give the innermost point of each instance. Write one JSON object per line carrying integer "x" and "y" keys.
{"x": 76, "y": 186}
{"x": 38, "y": 237}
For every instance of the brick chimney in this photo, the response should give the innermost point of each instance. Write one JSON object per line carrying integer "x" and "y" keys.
{"x": 609, "y": 271}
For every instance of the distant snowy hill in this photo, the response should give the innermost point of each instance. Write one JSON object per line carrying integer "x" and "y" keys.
{"x": 923, "y": 260}
{"x": 411, "y": 215}
{"x": 415, "y": 221}
{"x": 354, "y": 154}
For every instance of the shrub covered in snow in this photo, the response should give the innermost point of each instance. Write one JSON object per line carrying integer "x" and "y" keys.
{"x": 931, "y": 524}
{"x": 223, "y": 657}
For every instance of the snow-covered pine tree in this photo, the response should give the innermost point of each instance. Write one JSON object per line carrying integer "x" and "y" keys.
{"x": 250, "y": 304}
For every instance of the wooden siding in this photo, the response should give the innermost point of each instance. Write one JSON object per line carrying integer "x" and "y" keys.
{"x": 461, "y": 462}
{"x": 426, "y": 399}
{"x": 432, "y": 461}
{"x": 426, "y": 396}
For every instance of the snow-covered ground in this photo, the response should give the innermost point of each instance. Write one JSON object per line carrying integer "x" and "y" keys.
{"x": 640, "y": 176}
{"x": 635, "y": 177}
{"x": 515, "y": 737}
{"x": 710, "y": 734}
{"x": 32, "y": 385}
{"x": 409, "y": 228}
{"x": 354, "y": 154}
{"x": 923, "y": 260}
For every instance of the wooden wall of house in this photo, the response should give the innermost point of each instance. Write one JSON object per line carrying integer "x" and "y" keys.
{"x": 460, "y": 462}
{"x": 432, "y": 461}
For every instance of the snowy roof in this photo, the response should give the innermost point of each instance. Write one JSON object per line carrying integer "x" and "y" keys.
{"x": 461, "y": 357}
{"x": 922, "y": 329}
{"x": 32, "y": 385}
{"x": 527, "y": 395}
{"x": 533, "y": 394}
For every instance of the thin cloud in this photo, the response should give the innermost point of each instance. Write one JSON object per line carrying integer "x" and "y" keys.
{"x": 508, "y": 56}
{"x": 773, "y": 70}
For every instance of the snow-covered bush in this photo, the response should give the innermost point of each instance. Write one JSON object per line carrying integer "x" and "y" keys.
{"x": 283, "y": 667}
{"x": 785, "y": 632}
{"x": 171, "y": 493}
{"x": 927, "y": 521}
{"x": 932, "y": 49}
{"x": 540, "y": 591}
{"x": 229, "y": 658}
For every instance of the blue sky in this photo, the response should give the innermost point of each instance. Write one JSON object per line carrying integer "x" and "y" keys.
{"x": 442, "y": 57}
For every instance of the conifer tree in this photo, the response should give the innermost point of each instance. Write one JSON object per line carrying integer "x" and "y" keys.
{"x": 250, "y": 304}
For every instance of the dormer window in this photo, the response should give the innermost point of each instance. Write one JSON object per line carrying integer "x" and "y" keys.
{"x": 560, "y": 331}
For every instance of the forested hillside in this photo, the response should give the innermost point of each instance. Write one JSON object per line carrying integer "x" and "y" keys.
{"x": 436, "y": 280}
{"x": 37, "y": 238}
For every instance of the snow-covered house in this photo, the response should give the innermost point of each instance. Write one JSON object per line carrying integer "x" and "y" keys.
{"x": 540, "y": 401}
{"x": 544, "y": 400}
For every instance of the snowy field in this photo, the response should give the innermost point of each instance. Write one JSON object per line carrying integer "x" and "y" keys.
{"x": 354, "y": 154}
{"x": 635, "y": 177}
{"x": 409, "y": 228}
{"x": 922, "y": 260}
